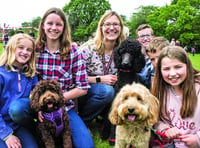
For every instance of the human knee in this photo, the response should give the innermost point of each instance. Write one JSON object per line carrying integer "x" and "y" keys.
{"x": 109, "y": 92}
{"x": 18, "y": 111}
{"x": 102, "y": 92}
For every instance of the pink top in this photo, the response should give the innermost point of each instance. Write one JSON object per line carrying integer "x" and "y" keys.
{"x": 186, "y": 126}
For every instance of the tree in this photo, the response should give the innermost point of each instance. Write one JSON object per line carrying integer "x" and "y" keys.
{"x": 83, "y": 17}
{"x": 139, "y": 17}
{"x": 33, "y": 25}
{"x": 36, "y": 22}
{"x": 182, "y": 23}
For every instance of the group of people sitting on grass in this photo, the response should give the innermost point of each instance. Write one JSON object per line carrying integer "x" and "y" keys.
{"x": 91, "y": 70}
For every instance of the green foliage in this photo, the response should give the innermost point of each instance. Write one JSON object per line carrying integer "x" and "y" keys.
{"x": 140, "y": 18}
{"x": 95, "y": 128}
{"x": 83, "y": 17}
{"x": 34, "y": 23}
{"x": 1, "y": 48}
{"x": 195, "y": 60}
{"x": 180, "y": 23}
{"x": 11, "y": 32}
{"x": 179, "y": 20}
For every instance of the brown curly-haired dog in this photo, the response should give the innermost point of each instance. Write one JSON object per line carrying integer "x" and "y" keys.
{"x": 133, "y": 110}
{"x": 48, "y": 98}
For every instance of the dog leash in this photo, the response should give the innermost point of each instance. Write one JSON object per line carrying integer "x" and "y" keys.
{"x": 164, "y": 140}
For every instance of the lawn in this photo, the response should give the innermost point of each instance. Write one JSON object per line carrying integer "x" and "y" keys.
{"x": 1, "y": 48}
{"x": 195, "y": 60}
{"x": 95, "y": 127}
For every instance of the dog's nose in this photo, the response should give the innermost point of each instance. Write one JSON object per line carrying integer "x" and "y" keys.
{"x": 126, "y": 60}
{"x": 131, "y": 109}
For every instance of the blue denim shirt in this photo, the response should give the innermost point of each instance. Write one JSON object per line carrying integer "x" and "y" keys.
{"x": 146, "y": 75}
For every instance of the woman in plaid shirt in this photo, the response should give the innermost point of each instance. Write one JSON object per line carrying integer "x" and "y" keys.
{"x": 58, "y": 59}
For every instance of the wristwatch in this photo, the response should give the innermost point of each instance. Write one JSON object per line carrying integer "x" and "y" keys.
{"x": 98, "y": 79}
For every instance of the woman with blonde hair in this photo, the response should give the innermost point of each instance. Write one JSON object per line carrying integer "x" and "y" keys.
{"x": 98, "y": 57}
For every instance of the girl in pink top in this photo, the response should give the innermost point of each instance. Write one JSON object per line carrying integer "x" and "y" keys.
{"x": 177, "y": 86}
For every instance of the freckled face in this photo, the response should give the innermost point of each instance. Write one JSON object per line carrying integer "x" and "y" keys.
{"x": 173, "y": 71}
{"x": 53, "y": 26}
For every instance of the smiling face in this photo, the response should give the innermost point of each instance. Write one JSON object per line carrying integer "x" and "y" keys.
{"x": 111, "y": 28}
{"x": 173, "y": 71}
{"x": 23, "y": 52}
{"x": 49, "y": 101}
{"x": 134, "y": 104}
{"x": 145, "y": 36}
{"x": 53, "y": 26}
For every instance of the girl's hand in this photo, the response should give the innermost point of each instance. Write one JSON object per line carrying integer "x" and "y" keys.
{"x": 40, "y": 117}
{"x": 172, "y": 133}
{"x": 13, "y": 142}
{"x": 109, "y": 79}
{"x": 190, "y": 140}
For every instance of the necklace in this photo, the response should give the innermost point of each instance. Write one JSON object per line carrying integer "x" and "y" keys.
{"x": 172, "y": 89}
{"x": 106, "y": 68}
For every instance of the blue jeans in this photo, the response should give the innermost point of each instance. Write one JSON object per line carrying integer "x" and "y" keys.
{"x": 81, "y": 137}
{"x": 98, "y": 97}
{"x": 26, "y": 138}
{"x": 20, "y": 113}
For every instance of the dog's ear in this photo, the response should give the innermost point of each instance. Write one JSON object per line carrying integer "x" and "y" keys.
{"x": 153, "y": 110}
{"x": 34, "y": 98}
{"x": 139, "y": 58}
{"x": 113, "y": 116}
{"x": 117, "y": 57}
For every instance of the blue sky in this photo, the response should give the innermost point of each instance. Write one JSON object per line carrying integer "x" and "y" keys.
{"x": 14, "y": 12}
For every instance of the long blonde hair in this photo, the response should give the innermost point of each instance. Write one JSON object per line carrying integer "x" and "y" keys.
{"x": 8, "y": 55}
{"x": 99, "y": 34}
{"x": 65, "y": 38}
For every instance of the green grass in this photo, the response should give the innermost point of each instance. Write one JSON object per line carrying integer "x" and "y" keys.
{"x": 1, "y": 48}
{"x": 95, "y": 127}
{"x": 195, "y": 60}
{"x": 95, "y": 130}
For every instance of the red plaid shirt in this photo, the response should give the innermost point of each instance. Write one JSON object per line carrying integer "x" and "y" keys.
{"x": 67, "y": 72}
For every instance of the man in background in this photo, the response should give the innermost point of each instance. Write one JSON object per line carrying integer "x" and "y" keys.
{"x": 144, "y": 35}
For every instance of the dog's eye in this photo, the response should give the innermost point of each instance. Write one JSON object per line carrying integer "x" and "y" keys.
{"x": 126, "y": 98}
{"x": 139, "y": 99}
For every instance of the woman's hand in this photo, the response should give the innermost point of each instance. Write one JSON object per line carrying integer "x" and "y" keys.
{"x": 13, "y": 142}
{"x": 172, "y": 133}
{"x": 109, "y": 79}
{"x": 190, "y": 140}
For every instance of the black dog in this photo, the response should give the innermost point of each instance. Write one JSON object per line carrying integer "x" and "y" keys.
{"x": 129, "y": 61}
